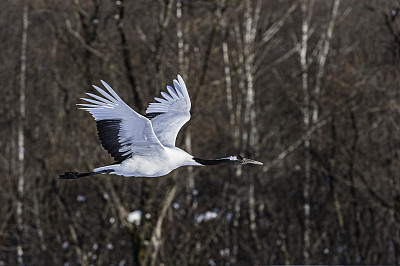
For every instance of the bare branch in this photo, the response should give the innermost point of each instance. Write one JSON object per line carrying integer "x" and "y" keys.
{"x": 156, "y": 239}
{"x": 83, "y": 42}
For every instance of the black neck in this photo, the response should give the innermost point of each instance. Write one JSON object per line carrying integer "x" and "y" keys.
{"x": 214, "y": 162}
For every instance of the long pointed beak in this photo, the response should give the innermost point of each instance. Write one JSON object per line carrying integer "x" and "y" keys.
{"x": 249, "y": 161}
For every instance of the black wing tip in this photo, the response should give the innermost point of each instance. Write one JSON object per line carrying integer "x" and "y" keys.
{"x": 152, "y": 115}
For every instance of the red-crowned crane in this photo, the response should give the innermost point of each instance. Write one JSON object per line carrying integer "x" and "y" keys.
{"x": 144, "y": 146}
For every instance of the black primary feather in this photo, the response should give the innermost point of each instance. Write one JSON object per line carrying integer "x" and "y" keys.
{"x": 152, "y": 115}
{"x": 108, "y": 131}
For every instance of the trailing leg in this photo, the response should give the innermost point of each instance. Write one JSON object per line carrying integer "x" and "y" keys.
{"x": 76, "y": 175}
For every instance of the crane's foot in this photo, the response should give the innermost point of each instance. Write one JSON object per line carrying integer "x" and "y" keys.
{"x": 70, "y": 175}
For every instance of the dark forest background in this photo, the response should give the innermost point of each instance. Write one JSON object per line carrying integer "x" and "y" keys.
{"x": 310, "y": 88}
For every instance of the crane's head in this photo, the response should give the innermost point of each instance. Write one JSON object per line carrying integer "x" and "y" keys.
{"x": 237, "y": 159}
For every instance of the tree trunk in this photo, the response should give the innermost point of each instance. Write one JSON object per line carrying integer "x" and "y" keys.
{"x": 250, "y": 135}
{"x": 306, "y": 14}
{"x": 183, "y": 69}
{"x": 322, "y": 60}
{"x": 21, "y": 146}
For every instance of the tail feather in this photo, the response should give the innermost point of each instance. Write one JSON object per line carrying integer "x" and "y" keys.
{"x": 76, "y": 175}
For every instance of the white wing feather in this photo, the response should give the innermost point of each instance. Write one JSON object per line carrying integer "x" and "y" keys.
{"x": 170, "y": 113}
{"x": 135, "y": 132}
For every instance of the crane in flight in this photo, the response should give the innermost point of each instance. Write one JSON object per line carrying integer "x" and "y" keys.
{"x": 144, "y": 146}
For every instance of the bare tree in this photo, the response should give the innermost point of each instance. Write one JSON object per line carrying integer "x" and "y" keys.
{"x": 21, "y": 128}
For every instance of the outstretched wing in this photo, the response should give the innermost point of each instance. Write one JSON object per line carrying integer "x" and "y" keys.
{"x": 121, "y": 130}
{"x": 168, "y": 115}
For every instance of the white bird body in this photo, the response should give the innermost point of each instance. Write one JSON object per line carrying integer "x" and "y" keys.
{"x": 152, "y": 166}
{"x": 144, "y": 146}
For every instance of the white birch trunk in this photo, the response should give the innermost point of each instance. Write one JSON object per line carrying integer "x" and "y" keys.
{"x": 179, "y": 35}
{"x": 235, "y": 135}
{"x": 228, "y": 85}
{"x": 236, "y": 217}
{"x": 322, "y": 60}
{"x": 239, "y": 100}
{"x": 306, "y": 124}
{"x": 310, "y": 108}
{"x": 21, "y": 146}
{"x": 250, "y": 136}
{"x": 234, "y": 119}
{"x": 39, "y": 228}
{"x": 183, "y": 69}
